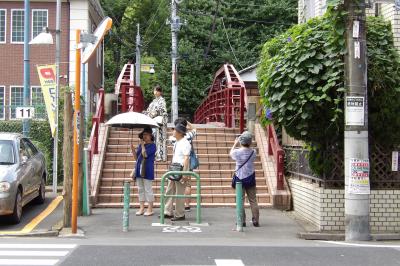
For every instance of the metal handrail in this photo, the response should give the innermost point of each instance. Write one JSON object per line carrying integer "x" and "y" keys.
{"x": 197, "y": 196}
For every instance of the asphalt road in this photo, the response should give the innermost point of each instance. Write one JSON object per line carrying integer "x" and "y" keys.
{"x": 29, "y": 212}
{"x": 249, "y": 256}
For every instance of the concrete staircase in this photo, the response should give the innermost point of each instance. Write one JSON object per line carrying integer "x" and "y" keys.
{"x": 216, "y": 168}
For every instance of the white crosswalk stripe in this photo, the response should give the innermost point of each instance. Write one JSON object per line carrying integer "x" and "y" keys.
{"x": 34, "y": 254}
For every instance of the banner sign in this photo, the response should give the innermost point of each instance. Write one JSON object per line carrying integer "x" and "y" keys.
{"x": 359, "y": 177}
{"x": 47, "y": 76}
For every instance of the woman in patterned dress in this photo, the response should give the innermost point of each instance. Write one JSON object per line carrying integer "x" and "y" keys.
{"x": 158, "y": 111}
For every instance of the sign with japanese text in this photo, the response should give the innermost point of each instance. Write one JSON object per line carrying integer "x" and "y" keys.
{"x": 359, "y": 177}
{"x": 395, "y": 161}
{"x": 355, "y": 111}
{"x": 47, "y": 77}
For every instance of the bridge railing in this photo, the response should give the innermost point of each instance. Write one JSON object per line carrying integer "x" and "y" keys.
{"x": 275, "y": 150}
{"x": 98, "y": 118}
{"x": 226, "y": 101}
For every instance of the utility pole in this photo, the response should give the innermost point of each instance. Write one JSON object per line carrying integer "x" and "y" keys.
{"x": 356, "y": 153}
{"x": 58, "y": 49}
{"x": 137, "y": 72}
{"x": 175, "y": 26}
{"x": 27, "y": 74}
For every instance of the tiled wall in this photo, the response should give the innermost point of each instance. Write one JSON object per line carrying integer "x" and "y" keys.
{"x": 324, "y": 208}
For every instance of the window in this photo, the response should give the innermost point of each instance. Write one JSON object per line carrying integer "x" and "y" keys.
{"x": 29, "y": 146}
{"x": 16, "y": 99}
{"x": 7, "y": 155}
{"x": 2, "y": 101}
{"x": 3, "y": 25}
{"x": 37, "y": 101}
{"x": 39, "y": 20}
{"x": 17, "y": 26}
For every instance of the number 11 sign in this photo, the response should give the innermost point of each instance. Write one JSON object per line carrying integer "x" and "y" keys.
{"x": 25, "y": 112}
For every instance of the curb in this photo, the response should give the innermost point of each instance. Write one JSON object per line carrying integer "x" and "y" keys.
{"x": 340, "y": 236}
{"x": 50, "y": 233}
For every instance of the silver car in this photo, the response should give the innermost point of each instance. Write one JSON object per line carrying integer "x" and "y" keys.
{"x": 22, "y": 175}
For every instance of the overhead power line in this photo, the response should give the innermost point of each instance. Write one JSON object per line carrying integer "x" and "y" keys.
{"x": 227, "y": 37}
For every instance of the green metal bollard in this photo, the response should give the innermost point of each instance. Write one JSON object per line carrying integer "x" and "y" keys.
{"x": 163, "y": 196}
{"x": 239, "y": 207}
{"x": 125, "y": 215}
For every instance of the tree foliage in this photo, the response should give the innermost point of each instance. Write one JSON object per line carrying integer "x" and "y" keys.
{"x": 202, "y": 51}
{"x": 301, "y": 77}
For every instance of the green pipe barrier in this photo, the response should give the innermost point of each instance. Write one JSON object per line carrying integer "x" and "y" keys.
{"x": 239, "y": 207}
{"x": 197, "y": 196}
{"x": 125, "y": 215}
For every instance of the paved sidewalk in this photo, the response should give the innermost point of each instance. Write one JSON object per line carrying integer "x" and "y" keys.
{"x": 275, "y": 226}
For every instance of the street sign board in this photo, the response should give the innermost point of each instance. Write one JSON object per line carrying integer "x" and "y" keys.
{"x": 355, "y": 111}
{"x": 25, "y": 112}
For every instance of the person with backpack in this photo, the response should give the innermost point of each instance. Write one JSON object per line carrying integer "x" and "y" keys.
{"x": 190, "y": 135}
{"x": 244, "y": 172}
{"x": 177, "y": 184}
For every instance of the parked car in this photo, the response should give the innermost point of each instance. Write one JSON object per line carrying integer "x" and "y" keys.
{"x": 22, "y": 175}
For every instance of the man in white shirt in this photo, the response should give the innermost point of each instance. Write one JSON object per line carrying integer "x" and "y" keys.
{"x": 181, "y": 155}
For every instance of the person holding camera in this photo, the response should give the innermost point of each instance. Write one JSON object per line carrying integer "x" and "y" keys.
{"x": 180, "y": 157}
{"x": 144, "y": 170}
{"x": 245, "y": 173}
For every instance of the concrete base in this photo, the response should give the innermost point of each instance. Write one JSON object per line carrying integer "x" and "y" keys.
{"x": 67, "y": 233}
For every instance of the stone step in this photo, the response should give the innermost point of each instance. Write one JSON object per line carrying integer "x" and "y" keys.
{"x": 192, "y": 204}
{"x": 119, "y": 181}
{"x": 212, "y": 157}
{"x": 199, "y": 128}
{"x": 107, "y": 172}
{"x": 215, "y": 165}
{"x": 197, "y": 142}
{"x": 199, "y": 150}
{"x": 205, "y": 198}
{"x": 156, "y": 189}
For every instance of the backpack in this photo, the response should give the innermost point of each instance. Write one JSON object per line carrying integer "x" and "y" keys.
{"x": 193, "y": 159}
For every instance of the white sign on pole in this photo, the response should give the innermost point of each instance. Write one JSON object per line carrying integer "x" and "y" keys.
{"x": 355, "y": 111}
{"x": 359, "y": 177}
{"x": 356, "y": 28}
{"x": 25, "y": 112}
{"x": 395, "y": 161}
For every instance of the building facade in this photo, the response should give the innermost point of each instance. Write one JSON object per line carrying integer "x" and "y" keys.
{"x": 43, "y": 14}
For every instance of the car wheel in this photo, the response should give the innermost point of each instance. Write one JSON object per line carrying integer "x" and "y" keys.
{"x": 17, "y": 213}
{"x": 42, "y": 193}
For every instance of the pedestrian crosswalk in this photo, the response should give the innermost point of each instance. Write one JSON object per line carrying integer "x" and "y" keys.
{"x": 34, "y": 254}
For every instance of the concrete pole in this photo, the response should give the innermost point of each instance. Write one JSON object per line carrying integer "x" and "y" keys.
{"x": 137, "y": 65}
{"x": 175, "y": 24}
{"x": 356, "y": 136}
{"x": 27, "y": 74}
{"x": 58, "y": 50}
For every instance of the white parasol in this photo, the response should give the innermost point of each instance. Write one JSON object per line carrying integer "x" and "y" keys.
{"x": 131, "y": 120}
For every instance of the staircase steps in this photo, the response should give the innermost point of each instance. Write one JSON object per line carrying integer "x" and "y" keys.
{"x": 216, "y": 168}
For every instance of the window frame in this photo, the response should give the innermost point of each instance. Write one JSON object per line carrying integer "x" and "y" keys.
{"x": 5, "y": 25}
{"x": 4, "y": 102}
{"x": 47, "y": 19}
{"x": 44, "y": 104}
{"x": 10, "y": 96}
{"x": 11, "y": 25}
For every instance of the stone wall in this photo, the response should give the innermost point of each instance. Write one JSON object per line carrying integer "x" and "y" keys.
{"x": 324, "y": 208}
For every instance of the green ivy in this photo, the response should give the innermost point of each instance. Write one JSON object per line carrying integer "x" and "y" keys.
{"x": 301, "y": 77}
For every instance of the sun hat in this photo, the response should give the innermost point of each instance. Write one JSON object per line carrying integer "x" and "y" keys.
{"x": 246, "y": 138}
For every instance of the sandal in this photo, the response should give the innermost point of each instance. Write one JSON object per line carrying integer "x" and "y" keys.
{"x": 138, "y": 213}
{"x": 148, "y": 214}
